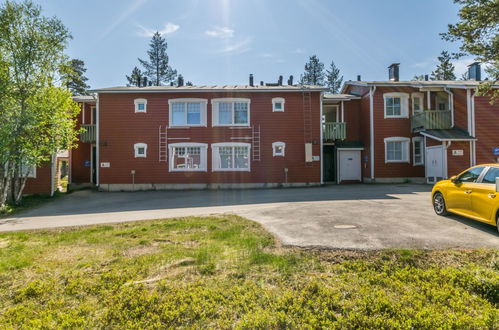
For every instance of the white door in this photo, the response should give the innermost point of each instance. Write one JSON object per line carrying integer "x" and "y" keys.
{"x": 350, "y": 169}
{"x": 434, "y": 164}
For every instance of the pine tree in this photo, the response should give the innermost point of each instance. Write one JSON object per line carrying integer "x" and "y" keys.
{"x": 157, "y": 69}
{"x": 189, "y": 83}
{"x": 418, "y": 77}
{"x": 73, "y": 77}
{"x": 445, "y": 69}
{"x": 314, "y": 72}
{"x": 135, "y": 79}
{"x": 333, "y": 79}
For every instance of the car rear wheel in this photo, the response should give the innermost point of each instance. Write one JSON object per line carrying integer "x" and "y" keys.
{"x": 497, "y": 221}
{"x": 439, "y": 204}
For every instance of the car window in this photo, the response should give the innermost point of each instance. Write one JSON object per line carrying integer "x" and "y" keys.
{"x": 491, "y": 175}
{"x": 471, "y": 175}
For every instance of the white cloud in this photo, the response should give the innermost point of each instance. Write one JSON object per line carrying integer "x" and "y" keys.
{"x": 169, "y": 28}
{"x": 237, "y": 47}
{"x": 220, "y": 32}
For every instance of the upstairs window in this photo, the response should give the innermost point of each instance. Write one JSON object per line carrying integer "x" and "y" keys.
{"x": 140, "y": 150}
{"x": 187, "y": 112}
{"x": 231, "y": 156}
{"x": 417, "y": 102}
{"x": 188, "y": 157}
{"x": 278, "y": 149}
{"x": 396, "y": 105}
{"x": 397, "y": 150}
{"x": 278, "y": 104}
{"x": 231, "y": 112}
{"x": 28, "y": 171}
{"x": 140, "y": 105}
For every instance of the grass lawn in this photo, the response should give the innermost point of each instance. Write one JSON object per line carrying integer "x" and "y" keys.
{"x": 28, "y": 202}
{"x": 225, "y": 271}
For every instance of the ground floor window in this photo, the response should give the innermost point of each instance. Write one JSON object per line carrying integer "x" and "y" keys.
{"x": 417, "y": 151}
{"x": 188, "y": 156}
{"x": 397, "y": 150}
{"x": 231, "y": 156}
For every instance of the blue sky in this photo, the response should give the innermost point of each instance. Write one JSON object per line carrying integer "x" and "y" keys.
{"x": 222, "y": 41}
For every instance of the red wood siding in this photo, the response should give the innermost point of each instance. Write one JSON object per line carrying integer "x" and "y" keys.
{"x": 457, "y": 164}
{"x": 460, "y": 109}
{"x": 487, "y": 129}
{"x": 79, "y": 172}
{"x": 42, "y": 183}
{"x": 120, "y": 128}
{"x": 352, "y": 114}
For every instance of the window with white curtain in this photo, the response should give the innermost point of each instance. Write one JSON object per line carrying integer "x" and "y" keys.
{"x": 396, "y": 105}
{"x": 397, "y": 150}
{"x": 231, "y": 156}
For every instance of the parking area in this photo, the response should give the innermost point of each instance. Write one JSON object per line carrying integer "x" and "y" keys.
{"x": 340, "y": 217}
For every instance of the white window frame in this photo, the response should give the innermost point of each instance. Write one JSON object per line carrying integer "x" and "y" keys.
{"x": 419, "y": 96}
{"x": 32, "y": 172}
{"x": 278, "y": 144}
{"x": 136, "y": 147}
{"x": 215, "y": 157}
{"x": 136, "y": 102}
{"x": 202, "y": 102}
{"x": 404, "y": 104}
{"x": 278, "y": 100}
{"x": 405, "y": 149}
{"x": 204, "y": 158}
{"x": 414, "y": 141}
{"x": 214, "y": 112}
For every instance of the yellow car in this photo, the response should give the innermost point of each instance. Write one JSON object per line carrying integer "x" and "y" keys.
{"x": 474, "y": 194}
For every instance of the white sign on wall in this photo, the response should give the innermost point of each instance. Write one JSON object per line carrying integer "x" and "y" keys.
{"x": 105, "y": 164}
{"x": 458, "y": 152}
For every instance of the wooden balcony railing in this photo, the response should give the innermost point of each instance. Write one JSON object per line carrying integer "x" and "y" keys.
{"x": 431, "y": 119}
{"x": 335, "y": 131}
{"x": 89, "y": 135}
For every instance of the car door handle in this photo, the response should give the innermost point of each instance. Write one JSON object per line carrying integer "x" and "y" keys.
{"x": 468, "y": 191}
{"x": 492, "y": 195}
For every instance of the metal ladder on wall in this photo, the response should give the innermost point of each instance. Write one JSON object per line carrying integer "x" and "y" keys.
{"x": 163, "y": 144}
{"x": 307, "y": 120}
{"x": 256, "y": 143}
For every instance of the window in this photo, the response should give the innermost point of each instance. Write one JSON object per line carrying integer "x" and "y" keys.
{"x": 471, "y": 175}
{"x": 140, "y": 105}
{"x": 417, "y": 102}
{"x": 396, "y": 105}
{"x": 140, "y": 150}
{"x": 397, "y": 150}
{"x": 231, "y": 112}
{"x": 278, "y": 149}
{"x": 231, "y": 156}
{"x": 491, "y": 175}
{"x": 278, "y": 104}
{"x": 93, "y": 114}
{"x": 28, "y": 171}
{"x": 187, "y": 112}
{"x": 187, "y": 157}
{"x": 417, "y": 151}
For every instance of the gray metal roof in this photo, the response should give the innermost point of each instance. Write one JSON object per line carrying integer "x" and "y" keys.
{"x": 339, "y": 97}
{"x": 84, "y": 98}
{"x": 418, "y": 83}
{"x": 453, "y": 134}
{"x": 210, "y": 88}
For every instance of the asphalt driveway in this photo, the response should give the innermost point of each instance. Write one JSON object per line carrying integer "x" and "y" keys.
{"x": 340, "y": 217}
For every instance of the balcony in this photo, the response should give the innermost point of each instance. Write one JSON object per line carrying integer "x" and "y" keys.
{"x": 89, "y": 134}
{"x": 335, "y": 131}
{"x": 431, "y": 119}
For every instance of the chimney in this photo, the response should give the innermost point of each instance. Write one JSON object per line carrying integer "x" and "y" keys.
{"x": 290, "y": 80}
{"x": 261, "y": 82}
{"x": 393, "y": 72}
{"x": 358, "y": 78}
{"x": 180, "y": 81}
{"x": 251, "y": 80}
{"x": 426, "y": 77}
{"x": 279, "y": 82}
{"x": 144, "y": 83}
{"x": 150, "y": 83}
{"x": 171, "y": 83}
{"x": 474, "y": 71}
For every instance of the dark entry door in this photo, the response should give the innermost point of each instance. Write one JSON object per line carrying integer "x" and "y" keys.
{"x": 94, "y": 164}
{"x": 329, "y": 164}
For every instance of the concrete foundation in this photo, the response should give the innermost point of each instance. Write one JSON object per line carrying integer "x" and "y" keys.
{"x": 200, "y": 186}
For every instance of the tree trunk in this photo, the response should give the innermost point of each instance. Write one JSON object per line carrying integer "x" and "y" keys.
{"x": 5, "y": 185}
{"x": 19, "y": 187}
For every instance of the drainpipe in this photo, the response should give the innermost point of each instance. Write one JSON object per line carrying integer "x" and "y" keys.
{"x": 451, "y": 104}
{"x": 321, "y": 143}
{"x": 97, "y": 143}
{"x": 473, "y": 133}
{"x": 428, "y": 100}
{"x": 342, "y": 112}
{"x": 371, "y": 121}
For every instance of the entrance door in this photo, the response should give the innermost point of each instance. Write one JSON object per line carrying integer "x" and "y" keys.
{"x": 94, "y": 165}
{"x": 434, "y": 164}
{"x": 329, "y": 168}
{"x": 350, "y": 168}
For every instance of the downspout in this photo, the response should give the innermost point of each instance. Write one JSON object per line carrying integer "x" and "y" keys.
{"x": 53, "y": 170}
{"x": 342, "y": 112}
{"x": 97, "y": 143}
{"x": 473, "y": 133}
{"x": 321, "y": 143}
{"x": 371, "y": 123}
{"x": 428, "y": 100}
{"x": 451, "y": 104}
{"x": 470, "y": 126}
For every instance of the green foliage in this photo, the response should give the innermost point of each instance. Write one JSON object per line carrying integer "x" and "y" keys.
{"x": 225, "y": 272}
{"x": 135, "y": 78}
{"x": 157, "y": 68}
{"x": 314, "y": 72}
{"x": 73, "y": 77}
{"x": 445, "y": 68}
{"x": 333, "y": 79}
